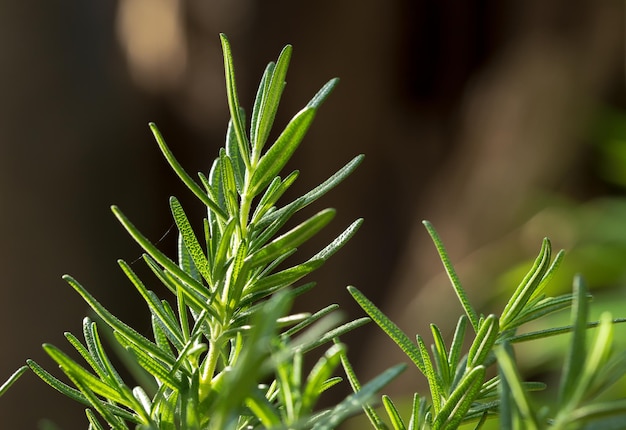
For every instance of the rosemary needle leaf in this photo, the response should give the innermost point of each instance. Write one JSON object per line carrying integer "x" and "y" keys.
{"x": 233, "y": 102}
{"x": 392, "y": 330}
{"x": 257, "y": 107}
{"x": 271, "y": 98}
{"x": 454, "y": 279}
{"x": 14, "y": 377}
{"x": 124, "y": 330}
{"x": 190, "y": 240}
{"x": 316, "y": 192}
{"x": 273, "y": 161}
{"x": 575, "y": 359}
{"x": 394, "y": 415}
{"x": 292, "y": 239}
{"x": 194, "y": 187}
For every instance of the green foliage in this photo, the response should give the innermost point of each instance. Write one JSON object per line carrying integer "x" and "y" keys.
{"x": 225, "y": 353}
{"x": 460, "y": 391}
{"x": 587, "y": 373}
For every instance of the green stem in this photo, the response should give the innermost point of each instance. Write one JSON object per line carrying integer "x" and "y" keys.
{"x": 244, "y": 213}
{"x": 208, "y": 368}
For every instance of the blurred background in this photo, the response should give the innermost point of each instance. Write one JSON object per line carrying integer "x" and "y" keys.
{"x": 500, "y": 122}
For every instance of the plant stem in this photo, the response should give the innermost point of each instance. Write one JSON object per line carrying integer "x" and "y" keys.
{"x": 208, "y": 367}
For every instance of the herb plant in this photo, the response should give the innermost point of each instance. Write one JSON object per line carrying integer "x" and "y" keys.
{"x": 226, "y": 353}
{"x": 223, "y": 354}
{"x": 460, "y": 390}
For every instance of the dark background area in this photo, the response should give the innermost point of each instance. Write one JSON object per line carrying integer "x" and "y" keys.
{"x": 469, "y": 113}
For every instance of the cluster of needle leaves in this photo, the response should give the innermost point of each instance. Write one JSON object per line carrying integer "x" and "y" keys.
{"x": 461, "y": 392}
{"x": 225, "y": 352}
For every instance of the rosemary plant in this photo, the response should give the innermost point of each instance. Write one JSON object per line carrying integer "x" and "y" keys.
{"x": 226, "y": 353}
{"x": 223, "y": 354}
{"x": 460, "y": 390}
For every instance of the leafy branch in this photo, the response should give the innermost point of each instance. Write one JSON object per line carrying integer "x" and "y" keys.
{"x": 225, "y": 353}
{"x": 460, "y": 391}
